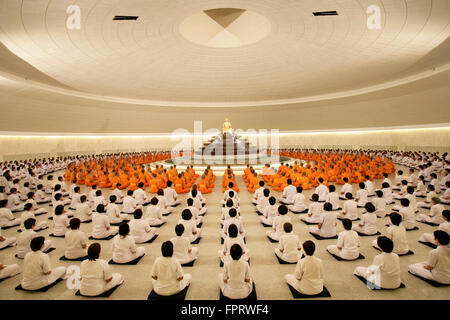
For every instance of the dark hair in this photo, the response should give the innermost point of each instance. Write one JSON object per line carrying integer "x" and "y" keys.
{"x": 30, "y": 194}
{"x": 232, "y": 212}
{"x": 442, "y": 237}
{"x": 112, "y": 198}
{"x": 446, "y": 214}
{"x": 315, "y": 197}
{"x": 261, "y": 183}
{"x": 57, "y": 196}
{"x": 190, "y": 202}
{"x": 94, "y": 251}
{"x": 320, "y": 179}
{"x": 299, "y": 189}
{"x": 404, "y": 202}
{"x": 129, "y": 192}
{"x": 76, "y": 189}
{"x": 169, "y": 183}
{"x": 287, "y": 227}
{"x": 289, "y": 181}
{"x": 379, "y": 193}
{"x": 137, "y": 213}
{"x": 349, "y": 196}
{"x": 83, "y": 198}
{"x": 231, "y": 193}
{"x": 232, "y": 230}
{"x": 74, "y": 223}
{"x": 266, "y": 192}
{"x": 154, "y": 201}
{"x": 272, "y": 200}
{"x": 385, "y": 244}
{"x": 229, "y": 203}
{"x": 29, "y": 223}
{"x": 431, "y": 187}
{"x": 186, "y": 214}
{"x": 167, "y": 249}
{"x": 124, "y": 229}
{"x": 160, "y": 192}
{"x": 194, "y": 193}
{"x": 362, "y": 185}
{"x": 395, "y": 218}
{"x": 59, "y": 209}
{"x": 347, "y": 223}
{"x": 282, "y": 209}
{"x": 369, "y": 207}
{"x": 309, "y": 247}
{"x": 230, "y": 185}
{"x": 98, "y": 193}
{"x": 236, "y": 251}
{"x": 332, "y": 188}
{"x": 345, "y": 179}
{"x": 140, "y": 184}
{"x": 27, "y": 206}
{"x": 328, "y": 206}
{"x": 179, "y": 229}
{"x": 100, "y": 208}
{"x": 36, "y": 243}
{"x": 385, "y": 185}
{"x": 410, "y": 189}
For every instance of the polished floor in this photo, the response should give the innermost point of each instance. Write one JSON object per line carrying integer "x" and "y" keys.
{"x": 267, "y": 273}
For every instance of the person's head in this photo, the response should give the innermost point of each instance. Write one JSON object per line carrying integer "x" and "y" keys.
{"x": 186, "y": 214}
{"x": 299, "y": 189}
{"x": 94, "y": 251}
{"x": 349, "y": 196}
{"x": 190, "y": 202}
{"x": 430, "y": 187}
{"x": 37, "y": 243}
{"x": 29, "y": 223}
{"x": 232, "y": 230}
{"x": 261, "y": 183}
{"x": 179, "y": 230}
{"x": 441, "y": 237}
{"x": 435, "y": 200}
{"x": 130, "y": 193}
{"x": 332, "y": 188}
{"x": 57, "y": 187}
{"x": 232, "y": 212}
{"x": 287, "y": 227}
{"x": 59, "y": 210}
{"x": 140, "y": 185}
{"x": 404, "y": 182}
{"x": 154, "y": 201}
{"x": 100, "y": 208}
{"x": 421, "y": 178}
{"x": 315, "y": 197}
{"x": 266, "y": 192}
{"x": 98, "y": 193}
{"x": 385, "y": 175}
{"x": 76, "y": 189}
{"x": 400, "y": 172}
{"x": 289, "y": 181}
{"x": 112, "y": 198}
{"x": 74, "y": 223}
{"x": 282, "y": 209}
{"x": 309, "y": 247}
{"x": 231, "y": 194}
{"x": 404, "y": 202}
{"x": 169, "y": 183}
{"x": 83, "y": 198}
{"x": 410, "y": 190}
{"x": 236, "y": 252}
{"x": 327, "y": 206}
{"x": 395, "y": 218}
{"x": 347, "y": 224}
{"x": 446, "y": 215}
{"x": 362, "y": 185}
{"x": 369, "y": 207}
{"x": 58, "y": 196}
{"x": 379, "y": 193}
{"x": 230, "y": 185}
{"x": 345, "y": 179}
{"x": 447, "y": 184}
{"x": 272, "y": 201}
{"x": 385, "y": 244}
{"x": 124, "y": 229}
{"x": 28, "y": 206}
{"x": 137, "y": 214}
{"x": 194, "y": 193}
{"x": 167, "y": 249}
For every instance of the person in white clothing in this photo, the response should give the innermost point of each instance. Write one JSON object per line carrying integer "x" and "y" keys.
{"x": 92, "y": 194}
{"x": 350, "y": 210}
{"x": 430, "y": 195}
{"x": 437, "y": 267}
{"x": 162, "y": 203}
{"x": 289, "y": 247}
{"x": 118, "y": 193}
{"x": 76, "y": 241}
{"x": 14, "y": 201}
{"x": 236, "y": 281}
{"x": 388, "y": 196}
{"x": 24, "y": 240}
{"x": 412, "y": 200}
{"x": 23, "y": 192}
{"x": 60, "y": 221}
{"x": 140, "y": 195}
{"x": 380, "y": 204}
{"x": 369, "y": 186}
{"x": 198, "y": 196}
{"x": 31, "y": 199}
{"x": 333, "y": 197}
{"x": 233, "y": 219}
{"x": 346, "y": 188}
{"x": 171, "y": 195}
{"x": 183, "y": 252}
{"x": 403, "y": 191}
{"x": 348, "y": 243}
{"x": 83, "y": 211}
{"x": 421, "y": 191}
{"x": 41, "y": 197}
{"x": 397, "y": 233}
{"x": 76, "y": 196}
{"x": 298, "y": 205}
{"x": 140, "y": 230}
{"x": 99, "y": 199}
{"x": 315, "y": 210}
{"x": 195, "y": 212}
{"x": 233, "y": 237}
{"x": 37, "y": 270}
{"x": 190, "y": 227}
{"x": 101, "y": 227}
{"x": 407, "y": 213}
{"x": 8, "y": 271}
{"x": 154, "y": 213}
{"x": 258, "y": 193}
{"x": 28, "y": 213}
{"x": 270, "y": 212}
{"x": 327, "y": 224}
{"x": 197, "y": 204}
{"x": 361, "y": 195}
{"x": 384, "y": 272}
{"x": 96, "y": 275}
{"x": 308, "y": 276}
{"x": 435, "y": 215}
{"x": 57, "y": 190}
{"x": 168, "y": 277}
{"x": 398, "y": 179}
{"x": 321, "y": 190}
{"x": 124, "y": 247}
{"x": 113, "y": 211}
{"x": 263, "y": 201}
{"x": 7, "y": 242}
{"x": 445, "y": 199}
{"x": 368, "y": 224}
{"x": 444, "y": 226}
{"x": 129, "y": 203}
{"x": 278, "y": 223}
{"x": 288, "y": 193}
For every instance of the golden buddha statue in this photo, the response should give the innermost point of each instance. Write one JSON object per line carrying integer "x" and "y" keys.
{"x": 227, "y": 126}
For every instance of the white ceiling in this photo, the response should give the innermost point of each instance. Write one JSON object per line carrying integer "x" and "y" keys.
{"x": 149, "y": 59}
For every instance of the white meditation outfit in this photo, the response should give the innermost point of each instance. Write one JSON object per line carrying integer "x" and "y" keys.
{"x": 429, "y": 237}
{"x": 94, "y": 275}
{"x": 167, "y": 270}
{"x": 181, "y": 247}
{"x": 24, "y": 240}
{"x": 83, "y": 212}
{"x": 171, "y": 197}
{"x": 119, "y": 195}
{"x": 257, "y": 195}
{"x": 369, "y": 224}
{"x": 100, "y": 226}
{"x": 75, "y": 200}
{"x": 75, "y": 240}
{"x": 361, "y": 195}
{"x": 328, "y": 220}
{"x": 113, "y": 212}
{"x": 129, "y": 204}
{"x": 154, "y": 215}
{"x": 398, "y": 236}
{"x": 37, "y": 263}
{"x": 189, "y": 228}
{"x": 228, "y": 243}
{"x": 60, "y": 224}
{"x": 384, "y": 271}
{"x": 350, "y": 210}
{"x": 298, "y": 204}
{"x": 369, "y": 187}
{"x": 348, "y": 241}
{"x": 162, "y": 203}
{"x": 269, "y": 214}
{"x": 435, "y": 215}
{"x": 39, "y": 225}
{"x": 288, "y": 248}
{"x": 288, "y": 192}
{"x": 141, "y": 231}
{"x": 236, "y": 272}
{"x": 333, "y": 198}
{"x": 278, "y": 227}
{"x": 346, "y": 188}
{"x": 322, "y": 191}
{"x": 140, "y": 196}
{"x": 308, "y": 276}
{"x": 387, "y": 195}
{"x": 314, "y": 212}
{"x": 8, "y": 242}
{"x": 408, "y": 218}
{"x": 380, "y": 207}
{"x": 9, "y": 271}
{"x": 439, "y": 259}
{"x": 124, "y": 249}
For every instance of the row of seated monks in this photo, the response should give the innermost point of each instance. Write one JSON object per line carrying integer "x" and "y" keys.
{"x": 331, "y": 167}
{"x": 126, "y": 172}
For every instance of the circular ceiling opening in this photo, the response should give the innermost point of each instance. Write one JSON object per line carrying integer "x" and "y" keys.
{"x": 225, "y": 27}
